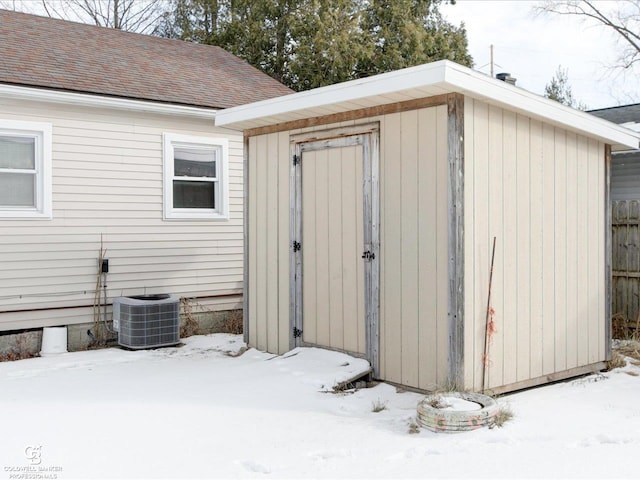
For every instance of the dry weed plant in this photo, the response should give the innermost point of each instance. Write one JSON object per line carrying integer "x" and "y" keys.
{"x": 617, "y": 361}
{"x": 378, "y": 406}
{"x": 630, "y": 348}
{"x": 190, "y": 326}
{"x": 503, "y": 415}
{"x": 234, "y": 324}
{"x": 624, "y": 329}
{"x": 437, "y": 401}
{"x": 413, "y": 427}
{"x": 19, "y": 350}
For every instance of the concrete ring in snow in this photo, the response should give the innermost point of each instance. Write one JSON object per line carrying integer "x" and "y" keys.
{"x": 456, "y": 420}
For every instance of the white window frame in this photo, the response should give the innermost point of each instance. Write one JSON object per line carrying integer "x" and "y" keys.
{"x": 42, "y": 133}
{"x": 171, "y": 141}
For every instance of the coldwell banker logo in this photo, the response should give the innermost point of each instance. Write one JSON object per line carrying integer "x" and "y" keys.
{"x": 34, "y": 470}
{"x": 34, "y": 454}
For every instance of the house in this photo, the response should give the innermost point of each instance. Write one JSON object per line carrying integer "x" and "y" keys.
{"x": 625, "y": 217}
{"x": 625, "y": 165}
{"x": 370, "y": 216}
{"x": 108, "y": 138}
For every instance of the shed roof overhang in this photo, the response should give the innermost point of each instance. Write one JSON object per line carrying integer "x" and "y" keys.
{"x": 422, "y": 81}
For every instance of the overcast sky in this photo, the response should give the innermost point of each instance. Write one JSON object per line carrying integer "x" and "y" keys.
{"x": 531, "y": 47}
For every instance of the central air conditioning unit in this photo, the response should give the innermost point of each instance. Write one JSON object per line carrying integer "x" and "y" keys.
{"x": 147, "y": 321}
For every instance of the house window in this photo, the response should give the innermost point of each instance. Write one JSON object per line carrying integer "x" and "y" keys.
{"x": 195, "y": 178}
{"x": 25, "y": 170}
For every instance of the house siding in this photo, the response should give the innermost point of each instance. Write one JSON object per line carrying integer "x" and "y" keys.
{"x": 625, "y": 176}
{"x": 107, "y": 185}
{"x": 548, "y": 289}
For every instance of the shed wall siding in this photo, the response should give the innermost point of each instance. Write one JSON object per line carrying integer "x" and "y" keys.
{"x": 413, "y": 244}
{"x": 107, "y": 181}
{"x": 413, "y": 248}
{"x": 540, "y": 191}
{"x": 269, "y": 242}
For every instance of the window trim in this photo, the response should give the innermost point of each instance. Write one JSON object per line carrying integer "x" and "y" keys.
{"x": 170, "y": 141}
{"x": 42, "y": 132}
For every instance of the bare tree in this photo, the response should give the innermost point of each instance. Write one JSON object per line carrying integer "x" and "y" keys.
{"x": 621, "y": 17}
{"x": 140, "y": 16}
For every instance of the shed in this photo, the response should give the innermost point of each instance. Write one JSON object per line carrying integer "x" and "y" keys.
{"x": 371, "y": 207}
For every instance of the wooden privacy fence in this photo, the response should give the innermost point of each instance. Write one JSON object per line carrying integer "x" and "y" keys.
{"x": 625, "y": 260}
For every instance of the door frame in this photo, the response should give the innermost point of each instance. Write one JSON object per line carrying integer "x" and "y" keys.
{"x": 368, "y": 136}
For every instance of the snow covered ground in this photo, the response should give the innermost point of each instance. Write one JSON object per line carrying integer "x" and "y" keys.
{"x": 197, "y": 412}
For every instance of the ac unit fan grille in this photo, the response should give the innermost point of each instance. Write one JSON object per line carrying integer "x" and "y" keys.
{"x": 146, "y": 324}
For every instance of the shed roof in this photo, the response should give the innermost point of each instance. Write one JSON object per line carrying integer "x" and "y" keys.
{"x": 69, "y": 56}
{"x": 426, "y": 80}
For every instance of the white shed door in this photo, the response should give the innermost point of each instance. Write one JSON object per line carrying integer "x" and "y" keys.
{"x": 335, "y": 244}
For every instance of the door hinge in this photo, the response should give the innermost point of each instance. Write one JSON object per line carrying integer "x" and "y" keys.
{"x": 296, "y": 160}
{"x": 368, "y": 255}
{"x": 297, "y": 333}
{"x": 296, "y": 246}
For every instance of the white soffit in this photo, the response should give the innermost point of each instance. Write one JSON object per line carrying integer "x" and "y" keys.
{"x": 419, "y": 82}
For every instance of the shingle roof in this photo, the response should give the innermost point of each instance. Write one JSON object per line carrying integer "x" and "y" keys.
{"x": 58, "y": 54}
{"x": 619, "y": 115}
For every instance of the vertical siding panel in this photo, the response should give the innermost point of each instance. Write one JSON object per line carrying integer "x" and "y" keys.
{"x": 604, "y": 250}
{"x": 442, "y": 249}
{"x": 284, "y": 241}
{"x": 409, "y": 253}
{"x": 596, "y": 286}
{"x": 253, "y": 244}
{"x": 382, "y": 360}
{"x": 309, "y": 251}
{"x": 582, "y": 322}
{"x": 573, "y": 280}
{"x": 509, "y": 316}
{"x": 548, "y": 250}
{"x": 537, "y": 225}
{"x": 482, "y": 249}
{"x": 495, "y": 198}
{"x": 352, "y": 248}
{"x": 272, "y": 242}
{"x": 359, "y": 229}
{"x": 470, "y": 359}
{"x": 392, "y": 243}
{"x": 524, "y": 244}
{"x": 427, "y": 247}
{"x": 261, "y": 229}
{"x": 560, "y": 263}
{"x": 335, "y": 159}
{"x": 323, "y": 304}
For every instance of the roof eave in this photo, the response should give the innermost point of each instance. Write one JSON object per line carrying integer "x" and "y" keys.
{"x": 99, "y": 101}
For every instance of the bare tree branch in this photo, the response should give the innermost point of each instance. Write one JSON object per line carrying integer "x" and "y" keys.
{"x": 140, "y": 16}
{"x": 622, "y": 18}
